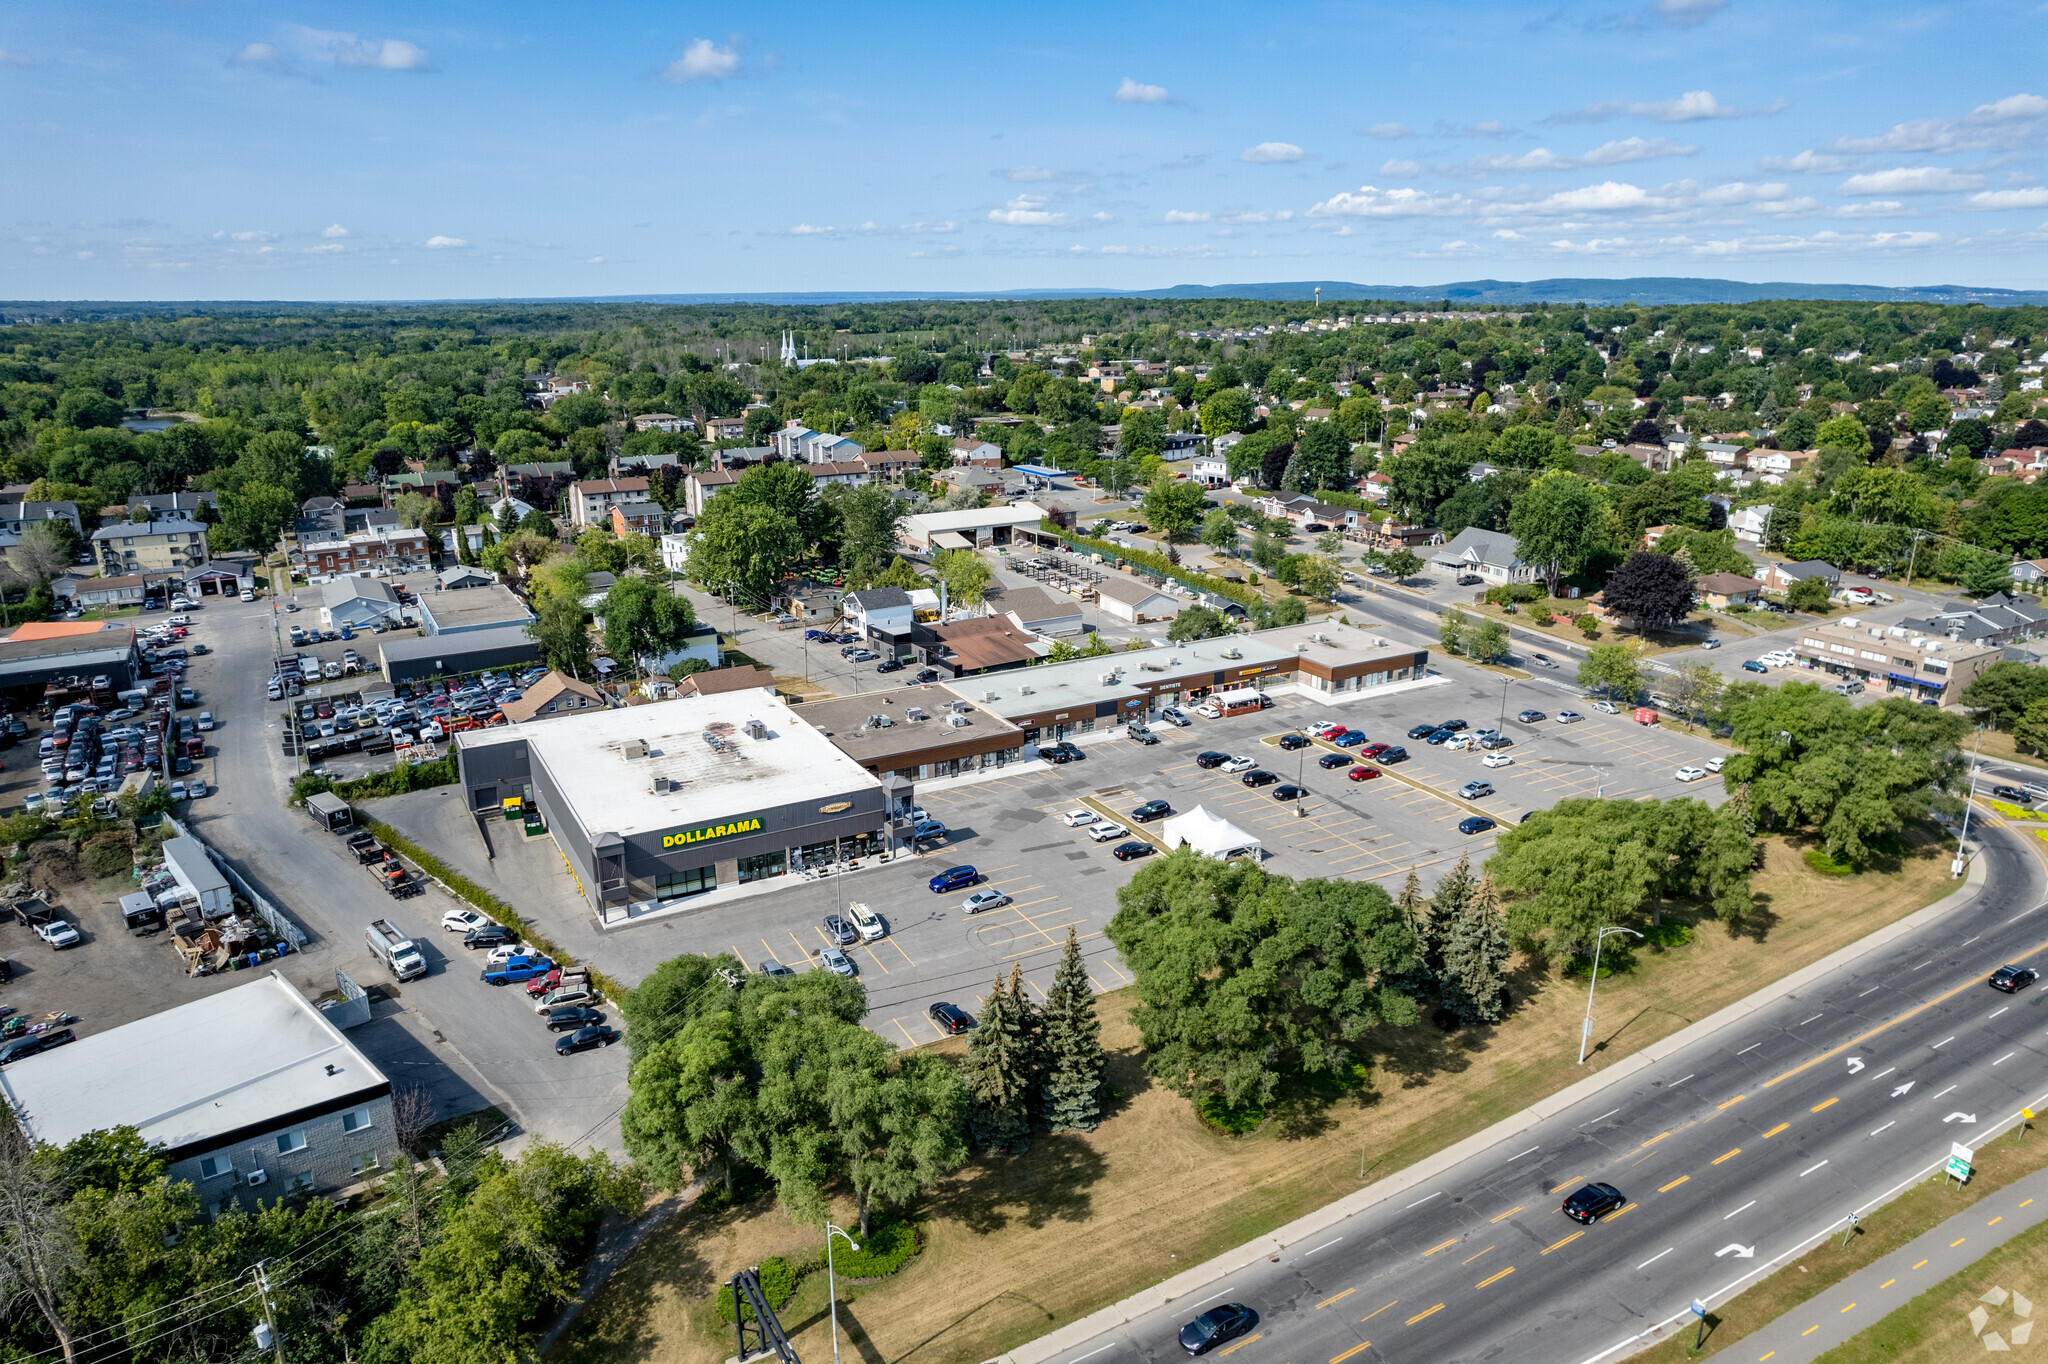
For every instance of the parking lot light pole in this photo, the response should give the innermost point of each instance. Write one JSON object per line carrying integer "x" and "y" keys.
{"x": 831, "y": 1290}
{"x": 1586, "y": 1033}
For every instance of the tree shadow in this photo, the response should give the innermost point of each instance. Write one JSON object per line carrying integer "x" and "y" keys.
{"x": 1124, "y": 1078}
{"x": 620, "y": 1319}
{"x": 1048, "y": 1183}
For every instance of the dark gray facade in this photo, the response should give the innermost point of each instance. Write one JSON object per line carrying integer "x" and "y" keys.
{"x": 412, "y": 658}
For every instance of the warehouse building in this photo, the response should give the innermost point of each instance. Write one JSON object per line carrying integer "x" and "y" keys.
{"x": 654, "y": 805}
{"x": 473, "y": 609}
{"x": 39, "y": 652}
{"x": 414, "y": 658}
{"x": 975, "y": 528}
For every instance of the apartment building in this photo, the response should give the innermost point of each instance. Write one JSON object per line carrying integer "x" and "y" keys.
{"x": 144, "y": 546}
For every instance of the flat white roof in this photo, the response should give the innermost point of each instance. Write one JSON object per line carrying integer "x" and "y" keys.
{"x": 931, "y": 523}
{"x": 241, "y": 1061}
{"x": 609, "y": 792}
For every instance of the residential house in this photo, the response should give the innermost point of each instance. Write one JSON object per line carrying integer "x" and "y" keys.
{"x": 890, "y": 465}
{"x": 644, "y": 462}
{"x": 464, "y": 576}
{"x": 802, "y": 445}
{"x": 519, "y": 509}
{"x": 17, "y": 517}
{"x": 2001, "y": 618}
{"x": 1211, "y": 470}
{"x": 663, "y": 421}
{"x": 592, "y": 499}
{"x": 2029, "y": 570}
{"x": 1750, "y": 523}
{"x": 879, "y": 611}
{"x": 808, "y": 602}
{"x": 1491, "y": 555}
{"x": 675, "y": 552}
{"x": 1391, "y": 534}
{"x": 166, "y": 504}
{"x": 555, "y": 694}
{"x": 1721, "y": 590}
{"x": 104, "y": 593}
{"x": 1375, "y": 487}
{"x": 853, "y": 473}
{"x": 638, "y": 518}
{"x": 725, "y": 428}
{"x": 360, "y": 603}
{"x": 719, "y": 681}
{"x": 510, "y": 474}
{"x": 136, "y": 547}
{"x": 371, "y": 551}
{"x": 1779, "y": 576}
{"x": 980, "y": 454}
{"x": 1133, "y": 600}
{"x": 421, "y": 481}
{"x": 704, "y": 484}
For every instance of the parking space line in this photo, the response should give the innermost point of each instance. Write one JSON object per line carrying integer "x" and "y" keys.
{"x": 905, "y": 1031}
{"x": 907, "y": 958}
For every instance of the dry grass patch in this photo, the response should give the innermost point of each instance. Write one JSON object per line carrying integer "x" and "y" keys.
{"x": 1999, "y": 745}
{"x": 1017, "y": 1246}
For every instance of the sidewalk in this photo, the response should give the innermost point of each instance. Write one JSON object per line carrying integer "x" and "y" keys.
{"x": 1865, "y": 1297}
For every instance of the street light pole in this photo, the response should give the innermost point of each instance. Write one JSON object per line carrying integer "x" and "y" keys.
{"x": 1955, "y": 868}
{"x": 831, "y": 1289}
{"x": 1586, "y": 1033}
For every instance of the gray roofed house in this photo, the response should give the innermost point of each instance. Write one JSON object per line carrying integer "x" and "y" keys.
{"x": 1039, "y": 611}
{"x": 19, "y": 516}
{"x": 465, "y": 575}
{"x": 1133, "y": 599}
{"x": 877, "y": 598}
{"x": 1489, "y": 554}
{"x": 885, "y": 609}
{"x": 1777, "y": 577}
{"x": 358, "y": 602}
{"x": 2000, "y": 618}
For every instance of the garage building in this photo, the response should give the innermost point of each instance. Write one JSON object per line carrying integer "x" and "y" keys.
{"x": 414, "y": 658}
{"x": 41, "y": 651}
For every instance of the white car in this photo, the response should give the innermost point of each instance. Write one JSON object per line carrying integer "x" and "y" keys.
{"x": 462, "y": 920}
{"x": 247, "y": 595}
{"x": 1607, "y": 708}
{"x": 1208, "y": 712}
{"x": 1240, "y": 764}
{"x": 867, "y": 921}
{"x": 183, "y": 604}
{"x": 1078, "y": 819}
{"x": 1710, "y": 644}
{"x": 1497, "y": 760}
{"x": 58, "y": 934}
{"x": 1690, "y": 773}
{"x": 1105, "y": 831}
{"x": 983, "y": 899}
{"x": 1714, "y": 764}
{"x": 1459, "y": 742}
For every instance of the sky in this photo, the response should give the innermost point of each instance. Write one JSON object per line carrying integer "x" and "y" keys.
{"x": 190, "y": 150}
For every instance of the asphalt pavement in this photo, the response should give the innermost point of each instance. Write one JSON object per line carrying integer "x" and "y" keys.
{"x": 1733, "y": 1150}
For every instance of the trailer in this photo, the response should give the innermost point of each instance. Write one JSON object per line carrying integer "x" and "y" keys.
{"x": 331, "y": 811}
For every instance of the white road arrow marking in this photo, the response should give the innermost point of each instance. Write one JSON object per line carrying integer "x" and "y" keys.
{"x": 1855, "y": 1064}
{"x": 1739, "y": 1252}
{"x": 1960, "y": 1117}
{"x": 1902, "y": 1089}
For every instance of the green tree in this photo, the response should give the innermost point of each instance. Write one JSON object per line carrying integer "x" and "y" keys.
{"x": 1198, "y": 622}
{"x": 1070, "y": 1087}
{"x": 1475, "y": 959}
{"x": 1322, "y": 456}
{"x": 1000, "y": 1071}
{"x": 1808, "y": 594}
{"x": 894, "y": 1119}
{"x": 253, "y": 518}
{"x": 1174, "y": 507}
{"x": 1403, "y": 564}
{"x": 1558, "y": 524}
{"x": 1613, "y": 670}
{"x": 750, "y": 545}
{"x": 1983, "y": 574}
{"x": 965, "y": 573}
{"x": 558, "y": 628}
{"x": 1486, "y": 640}
{"x": 1143, "y": 432}
{"x": 1218, "y": 530}
{"x": 2004, "y": 690}
{"x": 1318, "y": 575}
{"x": 644, "y": 621}
{"x": 2030, "y": 730}
{"x": 1651, "y": 590}
{"x": 1225, "y": 411}
{"x": 1451, "y": 629}
{"x": 870, "y": 518}
{"x": 1694, "y": 690}
{"x": 899, "y": 574}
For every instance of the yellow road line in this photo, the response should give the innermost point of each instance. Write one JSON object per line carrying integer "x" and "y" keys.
{"x": 1732, "y": 1102}
{"x": 1496, "y": 1278}
{"x": 1674, "y": 1184}
{"x": 1623, "y": 1213}
{"x": 1730, "y": 1156}
{"x": 1811, "y": 1329}
{"x": 1994, "y": 1221}
{"x": 1339, "y": 1359}
{"x": 1775, "y": 1130}
{"x": 1953, "y": 1244}
{"x": 1509, "y": 1213}
{"x": 2025, "y": 1204}
{"x": 1565, "y": 1242}
{"x": 1375, "y": 1312}
{"x": 1240, "y": 1345}
{"x": 1973, "y": 982}
{"x": 1921, "y": 1263}
{"x": 1434, "y": 1249}
{"x": 1339, "y": 1298}
{"x": 1562, "y": 1182}
{"x": 1824, "y": 1103}
{"x": 1420, "y": 1315}
{"x": 1845, "y": 1310}
{"x": 1474, "y": 1257}
{"x": 1886, "y": 1284}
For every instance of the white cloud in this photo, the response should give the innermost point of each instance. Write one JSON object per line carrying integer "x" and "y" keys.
{"x": 871, "y": 229}
{"x": 595, "y": 260}
{"x": 1508, "y": 234}
{"x": 2007, "y": 122}
{"x": 263, "y": 57}
{"x": 2011, "y": 107}
{"x": 806, "y": 230}
{"x": 1389, "y": 132}
{"x": 1134, "y": 92}
{"x": 438, "y": 242}
{"x": 1021, "y": 175}
{"x": 1596, "y": 246}
{"x": 1622, "y": 152}
{"x": 246, "y": 236}
{"x": 1689, "y": 107}
{"x": 14, "y": 58}
{"x": 702, "y": 60}
{"x": 1876, "y": 208}
{"x": 1371, "y": 202}
{"x": 1180, "y": 215}
{"x": 373, "y": 54}
{"x": 1910, "y": 180}
{"x": 1490, "y": 128}
{"x": 1631, "y": 149}
{"x": 1808, "y": 163}
{"x": 1026, "y": 210}
{"x": 2009, "y": 198}
{"x": 325, "y": 248}
{"x": 337, "y": 230}
{"x": 1271, "y": 153}
{"x": 1256, "y": 216}
{"x": 1401, "y": 169}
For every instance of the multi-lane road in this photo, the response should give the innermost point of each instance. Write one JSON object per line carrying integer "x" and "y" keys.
{"x": 1732, "y": 1152}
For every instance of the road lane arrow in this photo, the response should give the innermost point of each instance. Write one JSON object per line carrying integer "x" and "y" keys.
{"x": 1960, "y": 1117}
{"x": 1739, "y": 1252}
{"x": 1855, "y": 1064}
{"x": 1902, "y": 1089}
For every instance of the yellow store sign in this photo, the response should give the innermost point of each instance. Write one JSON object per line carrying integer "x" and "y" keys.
{"x": 709, "y": 832}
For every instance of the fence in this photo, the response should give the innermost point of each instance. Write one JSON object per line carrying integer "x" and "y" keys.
{"x": 270, "y": 914}
{"x": 1210, "y": 591}
{"x": 352, "y": 1010}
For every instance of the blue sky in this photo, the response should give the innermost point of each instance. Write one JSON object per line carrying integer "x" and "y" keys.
{"x": 197, "y": 150}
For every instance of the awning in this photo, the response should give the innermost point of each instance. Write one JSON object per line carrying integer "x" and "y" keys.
{"x": 950, "y": 539}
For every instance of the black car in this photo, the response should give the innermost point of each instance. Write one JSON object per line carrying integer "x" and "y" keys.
{"x": 1258, "y": 776}
{"x": 1053, "y": 753}
{"x": 1210, "y": 758}
{"x": 1476, "y": 824}
{"x": 1073, "y": 751}
{"x": 1216, "y": 1326}
{"x": 1125, "y": 852}
{"x": 840, "y": 931}
{"x": 1290, "y": 742}
{"x": 2013, "y": 794}
{"x": 1151, "y": 810}
{"x": 1591, "y": 1203}
{"x": 1452, "y": 725}
{"x": 1530, "y": 717}
{"x": 30, "y": 1045}
{"x": 1289, "y": 792}
{"x": 573, "y": 1016}
{"x": 927, "y": 674}
{"x": 889, "y": 665}
{"x": 490, "y": 935}
{"x": 2013, "y": 979}
{"x": 1334, "y": 760}
{"x": 1422, "y": 731}
{"x": 1396, "y": 754}
{"x": 583, "y": 1039}
{"x": 1438, "y": 736}
{"x": 951, "y": 1018}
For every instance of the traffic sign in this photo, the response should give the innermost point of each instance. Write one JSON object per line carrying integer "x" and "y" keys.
{"x": 1699, "y": 1309}
{"x": 1957, "y": 1168}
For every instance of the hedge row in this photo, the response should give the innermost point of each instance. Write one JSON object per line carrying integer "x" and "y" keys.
{"x": 1157, "y": 563}
{"x": 884, "y": 1250}
{"x": 461, "y": 886}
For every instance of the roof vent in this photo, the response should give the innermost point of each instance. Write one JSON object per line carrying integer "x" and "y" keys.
{"x": 958, "y": 706}
{"x": 958, "y": 721}
{"x": 914, "y": 713}
{"x": 1233, "y": 652}
{"x": 1025, "y": 691}
{"x": 756, "y": 730}
{"x": 988, "y": 696}
{"x": 633, "y": 748}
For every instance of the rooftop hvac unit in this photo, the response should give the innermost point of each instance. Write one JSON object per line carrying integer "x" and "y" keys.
{"x": 1233, "y": 652}
{"x": 914, "y": 713}
{"x": 633, "y": 748}
{"x": 958, "y": 706}
{"x": 660, "y": 785}
{"x": 756, "y": 730}
{"x": 988, "y": 696}
{"x": 1320, "y": 638}
{"x": 1025, "y": 691}
{"x": 958, "y": 721}
{"x": 879, "y": 722}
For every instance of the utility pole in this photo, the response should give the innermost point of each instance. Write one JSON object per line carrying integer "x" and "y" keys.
{"x": 269, "y": 1319}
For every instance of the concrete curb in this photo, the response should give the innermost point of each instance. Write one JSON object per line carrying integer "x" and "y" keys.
{"x": 1405, "y": 1181}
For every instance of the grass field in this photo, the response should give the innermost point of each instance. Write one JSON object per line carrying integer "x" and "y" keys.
{"x": 1998, "y": 744}
{"x": 1154, "y": 1190}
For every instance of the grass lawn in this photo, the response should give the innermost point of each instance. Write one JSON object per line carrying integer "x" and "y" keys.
{"x": 1931, "y": 1316}
{"x": 1525, "y": 619}
{"x": 1998, "y": 744}
{"x": 1154, "y": 1190}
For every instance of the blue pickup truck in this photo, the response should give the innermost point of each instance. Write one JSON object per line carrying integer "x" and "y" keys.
{"x": 517, "y": 969}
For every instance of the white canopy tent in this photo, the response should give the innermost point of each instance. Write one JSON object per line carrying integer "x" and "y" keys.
{"x": 1210, "y": 835}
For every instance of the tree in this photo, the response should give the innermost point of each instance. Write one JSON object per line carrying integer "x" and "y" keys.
{"x": 1266, "y": 551}
{"x": 1613, "y": 670}
{"x": 39, "y": 1252}
{"x": 1115, "y": 477}
{"x": 750, "y": 545}
{"x": 1247, "y": 981}
{"x": 1694, "y": 690}
{"x": 1451, "y": 628}
{"x": 869, "y": 519}
{"x": 2004, "y": 690}
{"x": 253, "y": 517}
{"x": 1070, "y": 1087}
{"x": 1983, "y": 574}
{"x": 1851, "y": 774}
{"x": 644, "y": 621}
{"x": 1843, "y": 433}
{"x": 899, "y": 574}
{"x": 1809, "y": 593}
{"x": 1486, "y": 641}
{"x": 999, "y": 1072}
{"x": 1322, "y": 456}
{"x": 1318, "y": 575}
{"x": 965, "y": 574}
{"x": 1403, "y": 564}
{"x": 2030, "y": 730}
{"x": 1218, "y": 530}
{"x": 558, "y": 628}
{"x": 1475, "y": 959}
{"x": 665, "y": 487}
{"x": 1174, "y": 506}
{"x": 1198, "y": 622}
{"x": 1558, "y": 524}
{"x": 1652, "y": 590}
{"x": 1143, "y": 432}
{"x": 894, "y": 1117}
{"x": 1227, "y": 410}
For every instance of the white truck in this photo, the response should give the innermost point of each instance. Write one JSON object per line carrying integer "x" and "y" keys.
{"x": 395, "y": 950}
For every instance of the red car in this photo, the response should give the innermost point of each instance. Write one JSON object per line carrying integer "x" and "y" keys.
{"x": 1363, "y": 773}
{"x": 1372, "y": 751}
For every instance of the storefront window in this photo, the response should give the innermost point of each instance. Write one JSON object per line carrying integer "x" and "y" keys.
{"x": 820, "y": 854}
{"x": 675, "y": 885}
{"x": 762, "y": 866}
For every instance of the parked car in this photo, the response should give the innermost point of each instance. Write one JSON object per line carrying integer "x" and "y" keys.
{"x": 1476, "y": 824}
{"x": 1591, "y": 1203}
{"x": 840, "y": 931}
{"x": 1569, "y": 717}
{"x": 1716, "y": 764}
{"x": 1530, "y": 717}
{"x": 772, "y": 967}
{"x": 1452, "y": 725}
{"x": 1174, "y": 717}
{"x": 565, "y": 996}
{"x": 951, "y": 1018}
{"x": 954, "y": 878}
{"x": 516, "y": 969}
{"x": 583, "y": 1039}
{"x": 1363, "y": 773}
{"x": 1350, "y": 738}
{"x": 1106, "y": 830}
{"x": 1290, "y": 742}
{"x": 1151, "y": 810}
{"x": 35, "y": 1042}
{"x": 1218, "y": 1325}
{"x": 1078, "y": 818}
{"x": 1330, "y": 760}
{"x": 1258, "y": 776}
{"x": 462, "y": 920}
{"x": 1140, "y": 735}
{"x": 489, "y": 935}
{"x": 1498, "y": 760}
{"x": 1422, "y": 731}
{"x": 58, "y": 934}
{"x": 1690, "y": 773}
{"x": 1475, "y": 790}
{"x": 1289, "y": 792}
{"x": 837, "y": 962}
{"x": 1606, "y": 707}
{"x": 889, "y": 665}
{"x": 1389, "y": 756}
{"x": 1125, "y": 852}
{"x": 927, "y": 828}
{"x": 1210, "y": 758}
{"x": 1240, "y": 764}
{"x": 572, "y": 1016}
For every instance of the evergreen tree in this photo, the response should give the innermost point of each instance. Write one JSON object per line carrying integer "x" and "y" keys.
{"x": 1417, "y": 982}
{"x": 1476, "y": 957}
{"x": 1072, "y": 1053}
{"x": 1031, "y": 1043}
{"x": 998, "y": 1075}
{"x": 1452, "y": 899}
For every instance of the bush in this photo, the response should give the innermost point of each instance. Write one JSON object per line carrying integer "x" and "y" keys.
{"x": 778, "y": 1285}
{"x": 1546, "y": 619}
{"x": 886, "y": 1248}
{"x": 1667, "y": 934}
{"x": 309, "y": 784}
{"x": 1232, "y": 1122}
{"x": 109, "y": 854}
{"x": 1827, "y": 866}
{"x": 1157, "y": 564}
{"x": 1588, "y": 624}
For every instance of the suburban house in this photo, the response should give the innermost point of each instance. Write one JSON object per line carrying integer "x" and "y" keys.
{"x": 1039, "y": 611}
{"x": 703, "y": 485}
{"x": 718, "y": 681}
{"x": 1750, "y": 523}
{"x": 463, "y": 576}
{"x": 2029, "y": 570}
{"x": 136, "y": 547}
{"x": 593, "y": 498}
{"x": 555, "y": 694}
{"x": 981, "y": 454}
{"x": 1133, "y": 600}
{"x": 370, "y": 551}
{"x": 1209, "y": 470}
{"x": 879, "y": 611}
{"x": 16, "y": 517}
{"x": 360, "y": 603}
{"x": 1488, "y": 554}
{"x": 725, "y": 428}
{"x": 1724, "y": 589}
{"x": 169, "y": 504}
{"x": 126, "y": 590}
{"x": 638, "y": 518}
{"x": 1375, "y": 487}
{"x": 510, "y": 474}
{"x": 1779, "y": 577}
{"x": 662, "y": 421}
